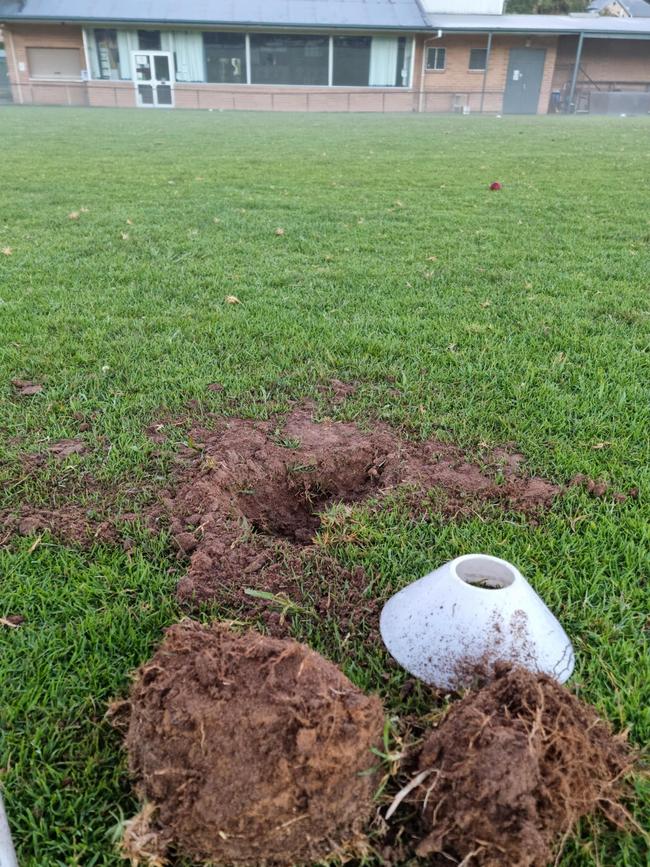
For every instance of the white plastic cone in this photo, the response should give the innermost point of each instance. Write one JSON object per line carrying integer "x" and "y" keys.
{"x": 469, "y": 614}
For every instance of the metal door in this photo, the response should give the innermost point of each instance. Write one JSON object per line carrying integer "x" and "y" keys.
{"x": 524, "y": 82}
{"x": 153, "y": 73}
{"x": 5, "y": 88}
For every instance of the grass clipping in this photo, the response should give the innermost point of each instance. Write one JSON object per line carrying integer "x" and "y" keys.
{"x": 247, "y": 750}
{"x": 511, "y": 768}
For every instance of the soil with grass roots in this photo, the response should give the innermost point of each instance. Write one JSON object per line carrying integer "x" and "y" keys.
{"x": 247, "y": 750}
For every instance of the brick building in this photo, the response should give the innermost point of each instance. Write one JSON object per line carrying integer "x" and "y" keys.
{"x": 323, "y": 55}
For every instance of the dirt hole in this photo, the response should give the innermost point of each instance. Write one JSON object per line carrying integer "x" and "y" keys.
{"x": 245, "y": 488}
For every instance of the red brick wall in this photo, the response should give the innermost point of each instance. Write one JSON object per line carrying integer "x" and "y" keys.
{"x": 619, "y": 60}
{"x": 18, "y": 38}
{"x": 457, "y": 79}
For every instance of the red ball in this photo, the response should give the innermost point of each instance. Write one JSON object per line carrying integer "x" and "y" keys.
{"x": 495, "y": 186}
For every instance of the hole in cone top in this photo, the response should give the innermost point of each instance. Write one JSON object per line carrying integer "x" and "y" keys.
{"x": 485, "y": 572}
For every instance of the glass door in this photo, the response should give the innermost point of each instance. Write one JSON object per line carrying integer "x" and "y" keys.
{"x": 153, "y": 77}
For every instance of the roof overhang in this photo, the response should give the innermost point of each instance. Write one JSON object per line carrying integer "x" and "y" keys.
{"x": 544, "y": 25}
{"x": 221, "y": 25}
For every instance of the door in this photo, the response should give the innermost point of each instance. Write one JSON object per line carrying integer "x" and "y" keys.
{"x": 153, "y": 74}
{"x": 524, "y": 82}
{"x": 5, "y": 88}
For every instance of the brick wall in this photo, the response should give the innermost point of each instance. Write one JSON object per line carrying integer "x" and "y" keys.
{"x": 18, "y": 39}
{"x": 458, "y": 84}
{"x": 616, "y": 60}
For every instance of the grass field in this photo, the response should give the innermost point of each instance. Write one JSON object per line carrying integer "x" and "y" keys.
{"x": 531, "y": 325}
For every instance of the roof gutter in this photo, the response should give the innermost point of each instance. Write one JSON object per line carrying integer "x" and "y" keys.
{"x": 588, "y": 34}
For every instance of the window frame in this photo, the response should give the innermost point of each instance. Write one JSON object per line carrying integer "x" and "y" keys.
{"x": 438, "y": 49}
{"x": 471, "y": 68}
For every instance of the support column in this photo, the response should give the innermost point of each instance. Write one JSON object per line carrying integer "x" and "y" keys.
{"x": 576, "y": 69}
{"x": 485, "y": 71}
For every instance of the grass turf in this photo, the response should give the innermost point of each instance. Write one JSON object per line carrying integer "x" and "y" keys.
{"x": 530, "y": 325}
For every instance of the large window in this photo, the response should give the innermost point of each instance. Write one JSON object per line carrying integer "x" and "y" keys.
{"x": 229, "y": 57}
{"x": 478, "y": 58}
{"x": 352, "y": 60}
{"x": 289, "y": 59}
{"x": 108, "y": 55}
{"x": 54, "y": 63}
{"x": 375, "y": 61}
{"x": 436, "y": 58}
{"x": 225, "y": 57}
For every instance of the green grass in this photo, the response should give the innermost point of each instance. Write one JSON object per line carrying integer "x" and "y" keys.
{"x": 532, "y": 325}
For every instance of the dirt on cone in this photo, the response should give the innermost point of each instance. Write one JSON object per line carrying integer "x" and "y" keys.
{"x": 511, "y": 768}
{"x": 247, "y": 750}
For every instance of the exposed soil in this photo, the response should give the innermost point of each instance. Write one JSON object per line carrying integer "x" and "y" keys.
{"x": 70, "y": 522}
{"x": 247, "y": 750}
{"x": 65, "y": 448}
{"x": 511, "y": 768}
{"x": 247, "y": 488}
{"x": 26, "y": 388}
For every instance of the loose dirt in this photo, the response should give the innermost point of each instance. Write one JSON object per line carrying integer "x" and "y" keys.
{"x": 247, "y": 489}
{"x": 26, "y": 388}
{"x": 510, "y": 770}
{"x": 247, "y": 750}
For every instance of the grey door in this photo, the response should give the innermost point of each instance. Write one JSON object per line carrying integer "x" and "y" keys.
{"x": 5, "y": 89}
{"x": 524, "y": 82}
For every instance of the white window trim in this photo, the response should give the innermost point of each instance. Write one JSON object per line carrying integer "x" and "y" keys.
{"x": 435, "y": 48}
{"x": 61, "y": 78}
{"x": 89, "y": 72}
{"x": 330, "y": 62}
{"x": 248, "y": 59}
{"x": 412, "y": 70}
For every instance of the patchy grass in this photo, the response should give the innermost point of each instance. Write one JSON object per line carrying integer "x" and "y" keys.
{"x": 478, "y": 317}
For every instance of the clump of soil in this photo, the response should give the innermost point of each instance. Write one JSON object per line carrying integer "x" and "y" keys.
{"x": 69, "y": 522}
{"x": 26, "y": 387}
{"x": 247, "y": 750}
{"x": 248, "y": 487}
{"x": 511, "y": 768}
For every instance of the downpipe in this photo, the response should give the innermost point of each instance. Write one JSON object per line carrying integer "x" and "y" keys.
{"x": 438, "y": 35}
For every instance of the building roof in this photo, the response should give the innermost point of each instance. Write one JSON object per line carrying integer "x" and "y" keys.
{"x": 605, "y": 26}
{"x": 634, "y": 8}
{"x": 367, "y": 14}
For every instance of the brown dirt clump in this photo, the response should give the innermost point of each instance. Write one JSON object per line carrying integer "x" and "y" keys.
{"x": 69, "y": 521}
{"x": 247, "y": 750}
{"x": 511, "y": 768}
{"x": 248, "y": 487}
{"x": 26, "y": 388}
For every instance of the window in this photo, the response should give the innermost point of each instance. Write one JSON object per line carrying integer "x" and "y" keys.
{"x": 478, "y": 58}
{"x": 53, "y": 63}
{"x": 377, "y": 61}
{"x": 225, "y": 57}
{"x": 149, "y": 40}
{"x": 436, "y": 58}
{"x": 108, "y": 55}
{"x": 352, "y": 60}
{"x": 289, "y": 59}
